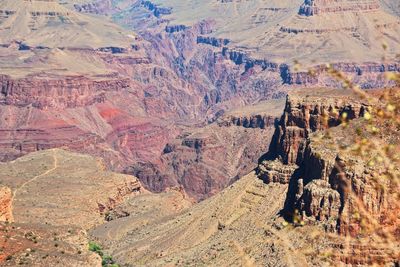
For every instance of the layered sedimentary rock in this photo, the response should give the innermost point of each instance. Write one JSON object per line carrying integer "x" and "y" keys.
{"x": 36, "y": 23}
{"x": 316, "y": 28}
{"x": 353, "y": 177}
{"x": 320, "y": 201}
{"x": 317, "y": 185}
{"x": 330, "y": 182}
{"x": 128, "y": 189}
{"x": 206, "y": 160}
{"x": 275, "y": 172}
{"x": 218, "y": 42}
{"x": 316, "y": 7}
{"x": 169, "y": 73}
{"x": 65, "y": 92}
{"x": 306, "y": 113}
{"x": 252, "y": 121}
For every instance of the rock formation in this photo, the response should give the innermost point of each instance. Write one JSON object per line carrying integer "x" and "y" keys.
{"x": 252, "y": 121}
{"x": 306, "y": 114}
{"x": 316, "y": 7}
{"x": 328, "y": 183}
{"x": 136, "y": 226}
{"x": 166, "y": 104}
{"x": 66, "y": 92}
{"x": 275, "y": 172}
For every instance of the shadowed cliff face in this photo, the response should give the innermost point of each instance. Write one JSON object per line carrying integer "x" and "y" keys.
{"x": 296, "y": 161}
{"x": 329, "y": 183}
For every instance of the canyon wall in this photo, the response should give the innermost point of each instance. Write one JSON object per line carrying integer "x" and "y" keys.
{"x": 316, "y": 7}
{"x": 318, "y": 173}
{"x": 315, "y": 151}
{"x": 65, "y": 92}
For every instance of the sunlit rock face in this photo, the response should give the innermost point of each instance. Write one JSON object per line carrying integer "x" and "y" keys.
{"x": 316, "y": 7}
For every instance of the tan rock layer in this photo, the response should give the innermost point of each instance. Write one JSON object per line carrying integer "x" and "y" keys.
{"x": 5, "y": 204}
{"x": 317, "y": 7}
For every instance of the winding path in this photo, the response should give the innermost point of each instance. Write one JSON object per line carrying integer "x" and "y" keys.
{"x": 55, "y": 166}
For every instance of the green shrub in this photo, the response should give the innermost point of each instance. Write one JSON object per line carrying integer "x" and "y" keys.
{"x": 94, "y": 247}
{"x": 106, "y": 260}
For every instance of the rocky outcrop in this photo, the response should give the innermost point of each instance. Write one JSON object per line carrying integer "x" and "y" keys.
{"x": 306, "y": 113}
{"x": 19, "y": 142}
{"x": 332, "y": 185}
{"x": 95, "y": 7}
{"x": 128, "y": 189}
{"x": 156, "y": 10}
{"x": 368, "y": 75}
{"x": 196, "y": 143}
{"x": 217, "y": 42}
{"x": 113, "y": 50}
{"x": 339, "y": 189}
{"x": 5, "y": 204}
{"x": 317, "y": 7}
{"x": 240, "y": 57}
{"x": 175, "y": 28}
{"x": 320, "y": 201}
{"x": 248, "y": 121}
{"x": 275, "y": 172}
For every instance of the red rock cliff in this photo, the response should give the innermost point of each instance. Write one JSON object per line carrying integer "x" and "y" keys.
{"x": 65, "y": 92}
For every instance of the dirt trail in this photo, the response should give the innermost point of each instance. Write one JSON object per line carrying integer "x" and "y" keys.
{"x": 55, "y": 166}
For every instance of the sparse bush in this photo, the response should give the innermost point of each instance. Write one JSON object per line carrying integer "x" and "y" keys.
{"x": 94, "y": 247}
{"x": 106, "y": 260}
